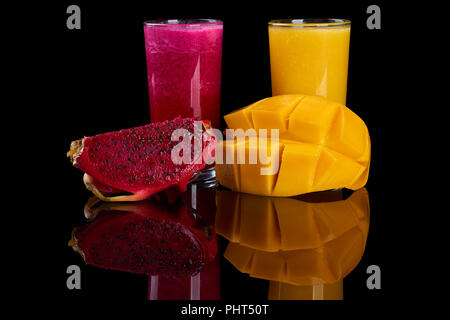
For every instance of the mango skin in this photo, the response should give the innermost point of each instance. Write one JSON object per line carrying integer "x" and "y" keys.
{"x": 323, "y": 145}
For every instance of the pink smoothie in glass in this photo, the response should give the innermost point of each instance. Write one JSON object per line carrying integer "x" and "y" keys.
{"x": 184, "y": 62}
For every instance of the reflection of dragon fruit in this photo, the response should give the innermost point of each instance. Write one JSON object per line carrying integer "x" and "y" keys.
{"x": 138, "y": 160}
{"x": 144, "y": 237}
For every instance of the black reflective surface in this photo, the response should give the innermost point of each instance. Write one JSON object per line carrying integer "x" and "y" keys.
{"x": 211, "y": 243}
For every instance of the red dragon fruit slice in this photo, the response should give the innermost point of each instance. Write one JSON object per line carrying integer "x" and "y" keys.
{"x": 138, "y": 161}
{"x": 144, "y": 237}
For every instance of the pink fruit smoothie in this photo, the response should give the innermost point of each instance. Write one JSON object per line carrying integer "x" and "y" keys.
{"x": 184, "y": 62}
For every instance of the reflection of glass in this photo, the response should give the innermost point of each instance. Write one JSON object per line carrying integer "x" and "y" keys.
{"x": 184, "y": 61}
{"x": 325, "y": 291}
{"x": 310, "y": 56}
{"x": 170, "y": 237}
{"x": 295, "y": 242}
{"x": 202, "y": 286}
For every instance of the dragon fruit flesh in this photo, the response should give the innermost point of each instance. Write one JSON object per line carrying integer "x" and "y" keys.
{"x": 138, "y": 161}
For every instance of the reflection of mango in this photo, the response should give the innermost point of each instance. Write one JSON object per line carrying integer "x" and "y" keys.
{"x": 272, "y": 223}
{"x": 322, "y": 145}
{"x": 320, "y": 242}
{"x": 326, "y": 264}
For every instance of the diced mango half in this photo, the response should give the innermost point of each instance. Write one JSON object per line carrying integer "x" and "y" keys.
{"x": 321, "y": 145}
{"x": 261, "y": 115}
{"x": 248, "y": 160}
{"x": 289, "y": 223}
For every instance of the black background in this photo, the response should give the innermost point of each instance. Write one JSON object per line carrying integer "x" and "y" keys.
{"x": 94, "y": 80}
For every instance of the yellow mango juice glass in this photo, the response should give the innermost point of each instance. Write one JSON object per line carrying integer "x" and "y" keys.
{"x": 310, "y": 56}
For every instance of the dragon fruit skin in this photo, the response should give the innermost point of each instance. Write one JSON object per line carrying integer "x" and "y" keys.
{"x": 138, "y": 160}
{"x": 104, "y": 189}
{"x": 145, "y": 237}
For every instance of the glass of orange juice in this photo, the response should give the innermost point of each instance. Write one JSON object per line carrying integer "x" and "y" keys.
{"x": 310, "y": 56}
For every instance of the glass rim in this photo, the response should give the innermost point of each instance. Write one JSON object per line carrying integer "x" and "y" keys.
{"x": 310, "y": 23}
{"x": 183, "y": 23}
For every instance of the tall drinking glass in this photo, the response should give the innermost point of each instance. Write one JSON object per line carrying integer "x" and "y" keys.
{"x": 184, "y": 62}
{"x": 310, "y": 56}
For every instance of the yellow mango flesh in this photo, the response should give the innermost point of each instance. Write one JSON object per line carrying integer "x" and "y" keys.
{"x": 307, "y": 244}
{"x": 322, "y": 145}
